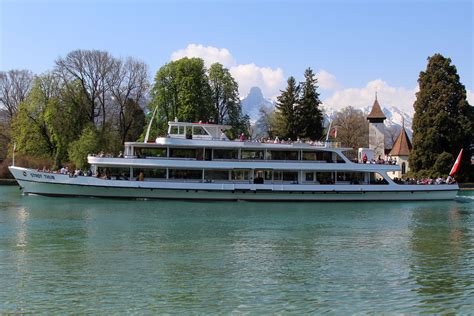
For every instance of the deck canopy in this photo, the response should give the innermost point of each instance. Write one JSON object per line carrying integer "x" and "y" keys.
{"x": 197, "y": 130}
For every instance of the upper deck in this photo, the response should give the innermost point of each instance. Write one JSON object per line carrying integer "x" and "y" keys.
{"x": 208, "y": 135}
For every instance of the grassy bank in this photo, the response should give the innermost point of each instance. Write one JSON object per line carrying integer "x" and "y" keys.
{"x": 8, "y": 182}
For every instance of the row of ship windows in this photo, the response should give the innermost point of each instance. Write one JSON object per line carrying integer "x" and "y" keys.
{"x": 233, "y": 154}
{"x": 257, "y": 176}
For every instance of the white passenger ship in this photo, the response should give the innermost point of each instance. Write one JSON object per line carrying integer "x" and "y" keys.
{"x": 197, "y": 162}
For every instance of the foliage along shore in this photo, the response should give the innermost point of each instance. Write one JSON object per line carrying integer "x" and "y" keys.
{"x": 92, "y": 101}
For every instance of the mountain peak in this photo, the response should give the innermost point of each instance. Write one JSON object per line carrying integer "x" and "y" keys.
{"x": 253, "y": 101}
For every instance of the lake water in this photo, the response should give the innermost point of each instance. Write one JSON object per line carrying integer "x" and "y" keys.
{"x": 60, "y": 255}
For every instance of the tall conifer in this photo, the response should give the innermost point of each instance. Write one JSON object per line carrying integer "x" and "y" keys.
{"x": 309, "y": 114}
{"x": 287, "y": 120}
{"x": 443, "y": 121}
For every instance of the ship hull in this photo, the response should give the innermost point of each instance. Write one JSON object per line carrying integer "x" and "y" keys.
{"x": 41, "y": 183}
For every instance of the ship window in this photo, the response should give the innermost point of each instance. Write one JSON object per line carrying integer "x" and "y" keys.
{"x": 174, "y": 130}
{"x": 324, "y": 177}
{"x": 282, "y": 155}
{"x": 226, "y": 153}
{"x": 198, "y": 130}
{"x": 264, "y": 174}
{"x": 350, "y": 177}
{"x": 252, "y": 154}
{"x": 376, "y": 178}
{"x": 185, "y": 174}
{"x": 154, "y": 152}
{"x": 309, "y": 176}
{"x": 320, "y": 156}
{"x": 182, "y": 153}
{"x": 240, "y": 175}
{"x": 114, "y": 173}
{"x": 290, "y": 176}
{"x": 216, "y": 175}
{"x": 154, "y": 173}
{"x": 286, "y": 176}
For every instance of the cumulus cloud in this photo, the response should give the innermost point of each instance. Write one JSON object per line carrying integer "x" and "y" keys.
{"x": 470, "y": 97}
{"x": 388, "y": 96}
{"x": 327, "y": 81}
{"x": 209, "y": 54}
{"x": 269, "y": 80}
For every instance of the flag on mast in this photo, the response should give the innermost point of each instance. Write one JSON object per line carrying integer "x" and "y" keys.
{"x": 457, "y": 164}
{"x": 333, "y": 132}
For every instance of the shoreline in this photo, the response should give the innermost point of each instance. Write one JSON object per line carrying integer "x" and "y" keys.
{"x": 8, "y": 182}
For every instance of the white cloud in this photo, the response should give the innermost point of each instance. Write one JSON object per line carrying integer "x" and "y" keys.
{"x": 209, "y": 54}
{"x": 470, "y": 97}
{"x": 269, "y": 80}
{"x": 388, "y": 96}
{"x": 327, "y": 81}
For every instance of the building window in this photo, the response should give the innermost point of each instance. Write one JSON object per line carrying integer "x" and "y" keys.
{"x": 403, "y": 168}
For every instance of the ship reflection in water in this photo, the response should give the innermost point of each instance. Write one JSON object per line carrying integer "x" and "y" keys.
{"x": 97, "y": 255}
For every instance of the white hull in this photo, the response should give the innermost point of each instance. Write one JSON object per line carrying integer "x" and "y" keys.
{"x": 35, "y": 182}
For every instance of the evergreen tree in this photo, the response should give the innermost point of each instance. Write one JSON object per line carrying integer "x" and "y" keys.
{"x": 443, "y": 121}
{"x": 286, "y": 118}
{"x": 309, "y": 115}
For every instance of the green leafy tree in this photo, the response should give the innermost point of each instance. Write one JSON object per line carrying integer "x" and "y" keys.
{"x": 87, "y": 143}
{"x": 309, "y": 114}
{"x": 287, "y": 124}
{"x": 182, "y": 90}
{"x": 443, "y": 120}
{"x": 49, "y": 119}
{"x": 224, "y": 93}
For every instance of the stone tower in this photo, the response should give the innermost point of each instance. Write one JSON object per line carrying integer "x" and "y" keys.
{"x": 377, "y": 130}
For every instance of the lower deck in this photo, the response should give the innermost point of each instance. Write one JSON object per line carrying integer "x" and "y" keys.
{"x": 34, "y": 182}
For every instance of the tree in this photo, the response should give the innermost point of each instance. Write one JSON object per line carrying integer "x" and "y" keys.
{"x": 181, "y": 90}
{"x": 92, "y": 68}
{"x": 352, "y": 127}
{"x": 107, "y": 82}
{"x": 286, "y": 115}
{"x": 310, "y": 117}
{"x": 14, "y": 87}
{"x": 132, "y": 122}
{"x": 87, "y": 143}
{"x": 265, "y": 125}
{"x": 129, "y": 84}
{"x": 224, "y": 92}
{"x": 49, "y": 119}
{"x": 443, "y": 120}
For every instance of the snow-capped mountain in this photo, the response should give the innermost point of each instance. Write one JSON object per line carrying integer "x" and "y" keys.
{"x": 253, "y": 101}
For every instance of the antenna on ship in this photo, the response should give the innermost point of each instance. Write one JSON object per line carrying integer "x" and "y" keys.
{"x": 149, "y": 125}
{"x": 327, "y": 134}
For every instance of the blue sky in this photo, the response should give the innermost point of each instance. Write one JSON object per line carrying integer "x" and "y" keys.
{"x": 359, "y": 45}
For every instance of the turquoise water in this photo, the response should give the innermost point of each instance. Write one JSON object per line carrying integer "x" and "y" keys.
{"x": 60, "y": 255}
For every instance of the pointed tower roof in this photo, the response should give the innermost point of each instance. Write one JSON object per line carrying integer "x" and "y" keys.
{"x": 376, "y": 112}
{"x": 402, "y": 145}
